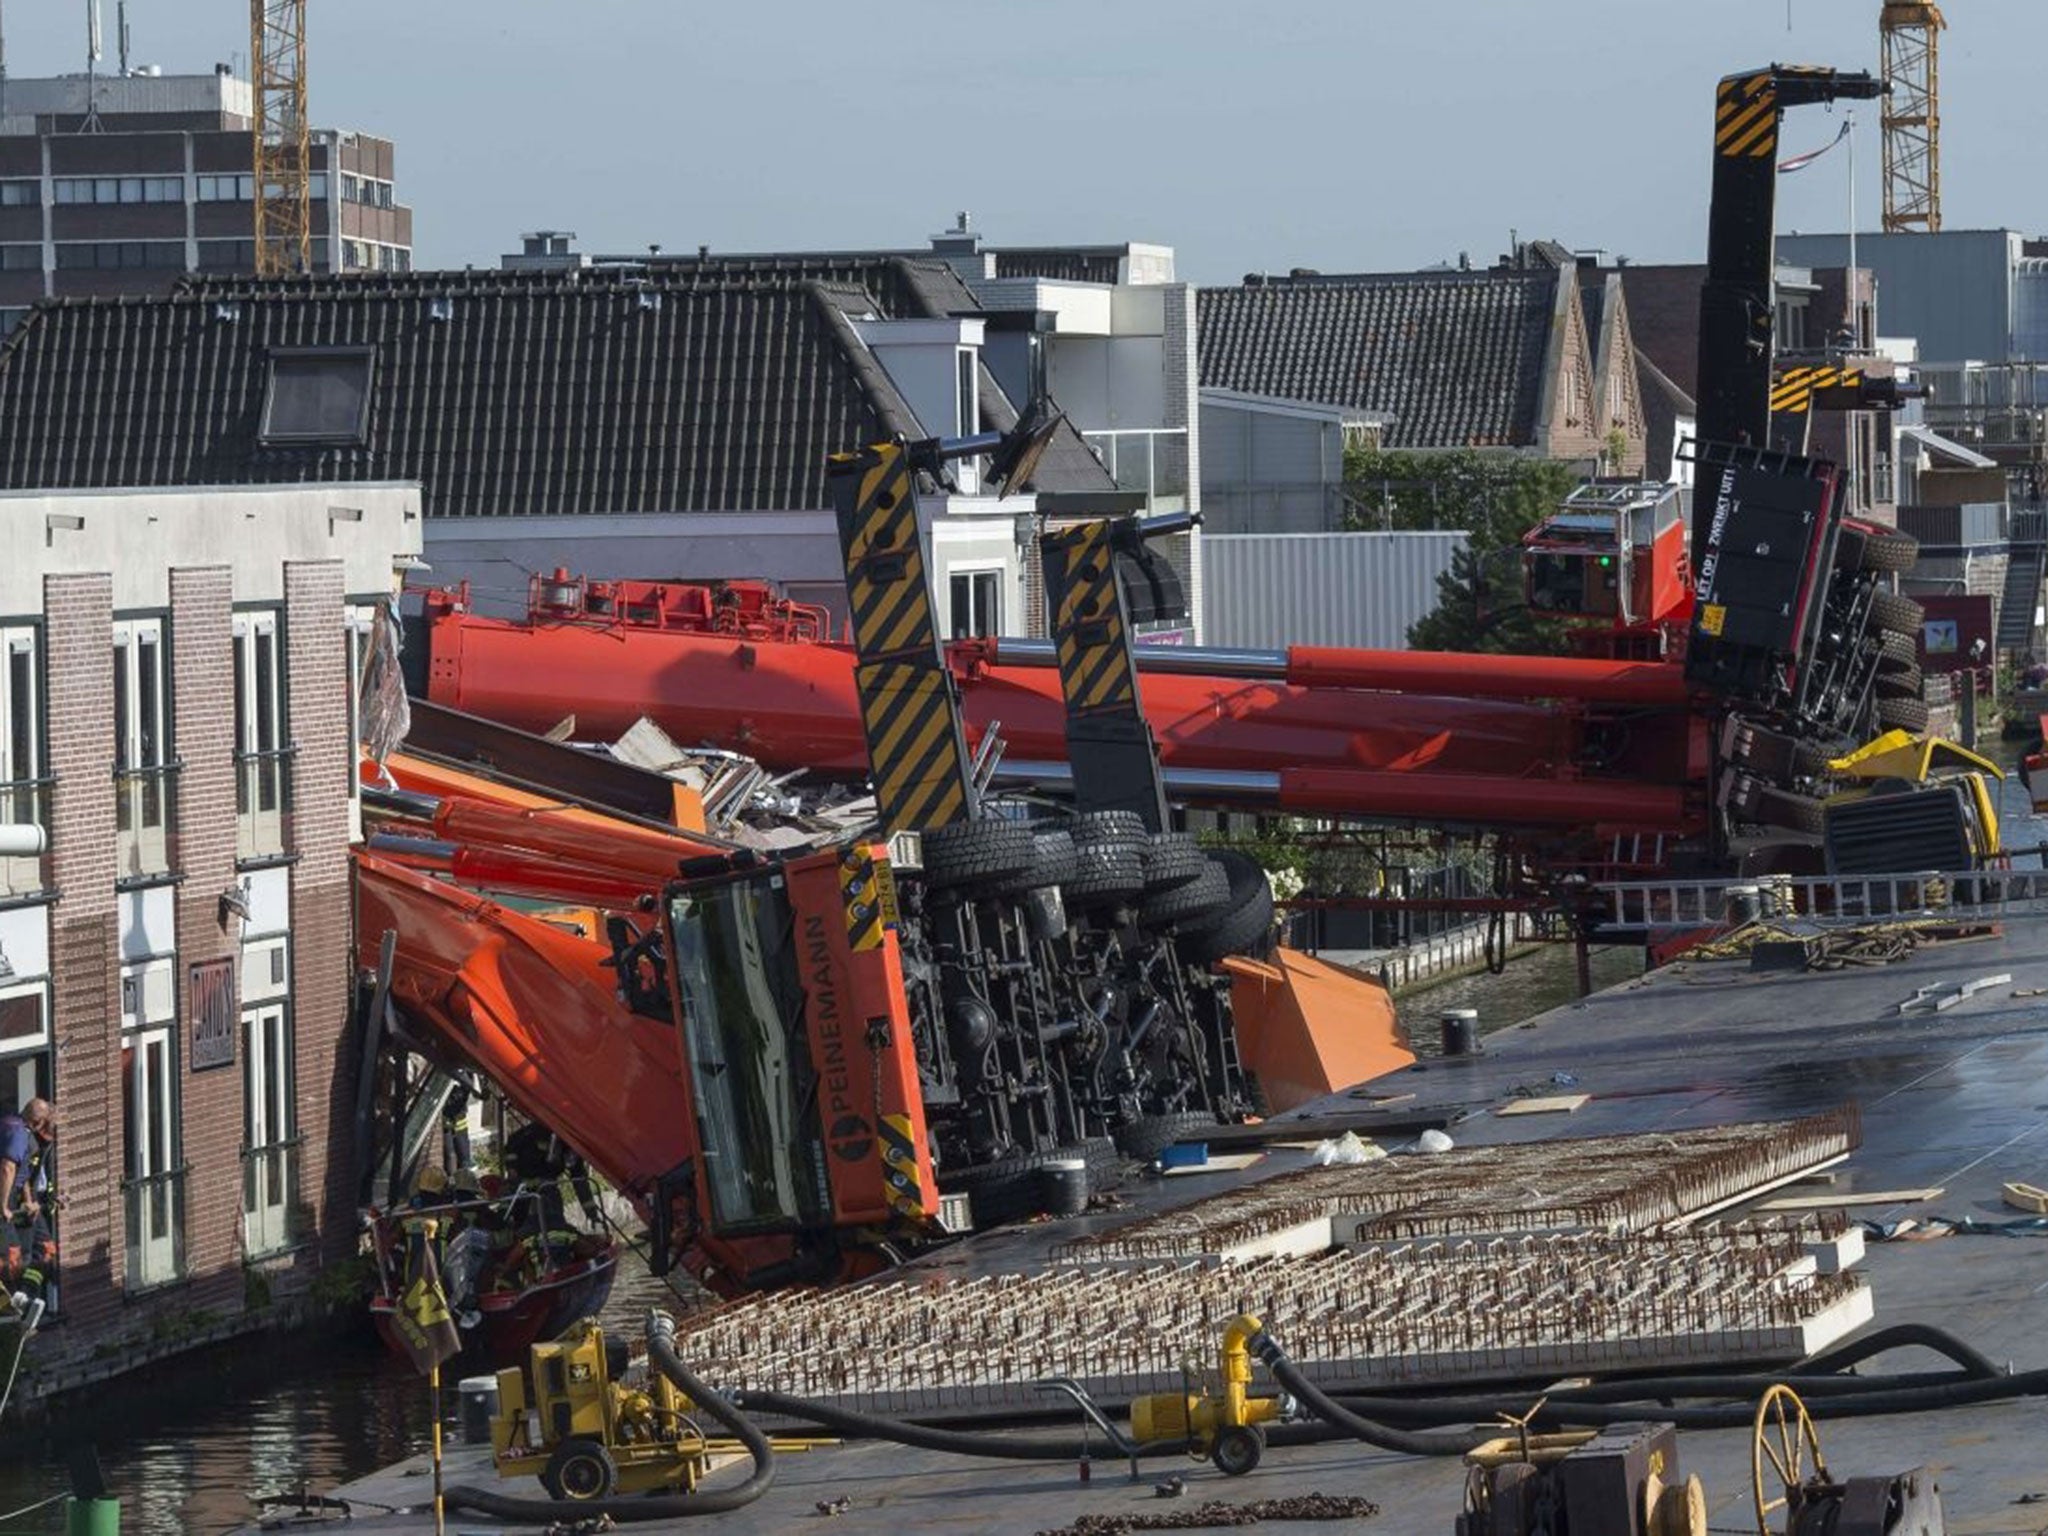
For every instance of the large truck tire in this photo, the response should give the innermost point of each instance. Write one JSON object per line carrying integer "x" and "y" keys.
{"x": 1105, "y": 873}
{"x": 1896, "y": 650}
{"x": 1902, "y": 714}
{"x": 1903, "y": 683}
{"x": 1895, "y": 611}
{"x": 1243, "y": 928}
{"x": 965, "y": 853}
{"x": 1171, "y": 859}
{"x": 1206, "y": 895}
{"x": 1053, "y": 860}
{"x": 1783, "y": 808}
{"x": 1108, "y": 829}
{"x": 1149, "y": 1135}
{"x": 1872, "y": 548}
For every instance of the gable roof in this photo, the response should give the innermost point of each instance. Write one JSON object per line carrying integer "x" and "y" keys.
{"x": 502, "y": 393}
{"x": 1454, "y": 359}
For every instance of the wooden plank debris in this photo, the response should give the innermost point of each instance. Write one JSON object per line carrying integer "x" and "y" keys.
{"x": 1854, "y": 1197}
{"x": 1555, "y": 1104}
{"x": 2026, "y": 1197}
{"x": 1933, "y": 999}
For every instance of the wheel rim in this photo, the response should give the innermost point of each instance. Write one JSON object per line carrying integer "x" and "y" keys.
{"x": 583, "y": 1477}
{"x": 1783, "y": 1443}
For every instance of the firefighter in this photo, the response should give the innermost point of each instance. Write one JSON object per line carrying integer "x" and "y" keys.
{"x": 28, "y": 1209}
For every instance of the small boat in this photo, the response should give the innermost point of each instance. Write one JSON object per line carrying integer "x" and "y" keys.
{"x": 531, "y": 1281}
{"x": 2034, "y": 766}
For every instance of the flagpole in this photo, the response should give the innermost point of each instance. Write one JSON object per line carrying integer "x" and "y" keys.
{"x": 440, "y": 1510}
{"x": 1849, "y": 127}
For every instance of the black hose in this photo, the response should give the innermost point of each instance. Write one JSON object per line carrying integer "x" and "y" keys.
{"x": 952, "y": 1442}
{"x": 1898, "y": 1336}
{"x": 1381, "y": 1436}
{"x": 661, "y": 1349}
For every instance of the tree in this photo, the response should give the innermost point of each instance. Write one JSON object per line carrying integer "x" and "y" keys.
{"x": 1493, "y": 498}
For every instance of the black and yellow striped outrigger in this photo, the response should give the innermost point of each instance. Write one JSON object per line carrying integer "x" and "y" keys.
{"x": 909, "y": 699}
{"x": 1109, "y": 741}
{"x": 1736, "y": 374}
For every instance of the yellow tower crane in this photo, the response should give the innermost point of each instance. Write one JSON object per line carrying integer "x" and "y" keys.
{"x": 283, "y": 152}
{"x": 1911, "y": 33}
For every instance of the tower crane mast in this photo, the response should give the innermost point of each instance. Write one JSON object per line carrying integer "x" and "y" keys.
{"x": 1911, "y": 33}
{"x": 282, "y": 194}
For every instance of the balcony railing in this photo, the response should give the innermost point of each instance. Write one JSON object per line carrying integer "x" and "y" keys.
{"x": 25, "y": 803}
{"x": 262, "y": 798}
{"x": 145, "y": 812}
{"x": 1149, "y": 459}
{"x": 154, "y": 1209}
{"x": 270, "y": 1194}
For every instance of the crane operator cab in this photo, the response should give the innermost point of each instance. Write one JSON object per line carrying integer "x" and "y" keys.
{"x": 1614, "y": 552}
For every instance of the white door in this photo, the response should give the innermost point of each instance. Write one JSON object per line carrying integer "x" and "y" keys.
{"x": 259, "y": 736}
{"x": 141, "y": 788}
{"x": 149, "y": 1113}
{"x": 21, "y": 754}
{"x": 267, "y": 1129}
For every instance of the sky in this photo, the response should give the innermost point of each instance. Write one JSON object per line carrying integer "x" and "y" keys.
{"x": 1344, "y": 135}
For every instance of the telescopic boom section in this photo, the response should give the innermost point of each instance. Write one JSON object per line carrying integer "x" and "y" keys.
{"x": 1736, "y": 304}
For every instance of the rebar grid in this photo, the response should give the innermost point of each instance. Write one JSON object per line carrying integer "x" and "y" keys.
{"x": 1602, "y": 1183}
{"x": 1504, "y": 1308}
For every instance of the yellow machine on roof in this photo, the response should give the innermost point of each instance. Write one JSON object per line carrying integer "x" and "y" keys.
{"x": 1887, "y": 821}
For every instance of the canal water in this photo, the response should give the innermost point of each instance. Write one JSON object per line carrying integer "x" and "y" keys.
{"x": 187, "y": 1444}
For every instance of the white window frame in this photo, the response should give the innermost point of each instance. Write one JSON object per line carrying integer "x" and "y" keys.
{"x": 32, "y": 1052}
{"x": 22, "y": 750}
{"x": 261, "y": 770}
{"x": 142, "y": 748}
{"x": 151, "y": 1159}
{"x": 970, "y": 571}
{"x": 269, "y": 1086}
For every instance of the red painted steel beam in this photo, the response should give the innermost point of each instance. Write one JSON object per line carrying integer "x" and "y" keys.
{"x": 1645, "y": 683}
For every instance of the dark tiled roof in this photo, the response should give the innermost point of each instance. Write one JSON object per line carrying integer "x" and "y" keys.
{"x": 1455, "y": 359}
{"x": 534, "y": 394}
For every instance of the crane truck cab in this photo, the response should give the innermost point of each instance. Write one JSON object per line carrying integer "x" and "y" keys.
{"x": 1614, "y": 554}
{"x": 801, "y": 1078}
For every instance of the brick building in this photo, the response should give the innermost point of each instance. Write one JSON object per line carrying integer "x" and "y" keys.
{"x": 120, "y": 184}
{"x": 177, "y": 718}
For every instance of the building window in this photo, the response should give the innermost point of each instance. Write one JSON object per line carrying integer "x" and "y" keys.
{"x": 359, "y": 627}
{"x": 969, "y": 415}
{"x": 80, "y": 255}
{"x": 1791, "y": 326}
{"x": 24, "y": 790}
{"x": 227, "y": 189}
{"x": 262, "y": 758}
{"x": 24, "y": 1043}
{"x": 975, "y": 603}
{"x": 227, "y": 255}
{"x": 20, "y": 194}
{"x": 10, "y": 318}
{"x": 21, "y": 258}
{"x": 318, "y": 396}
{"x": 269, "y": 1119}
{"x": 143, "y": 765}
{"x": 119, "y": 189}
{"x": 317, "y": 186}
{"x": 153, "y": 1182}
